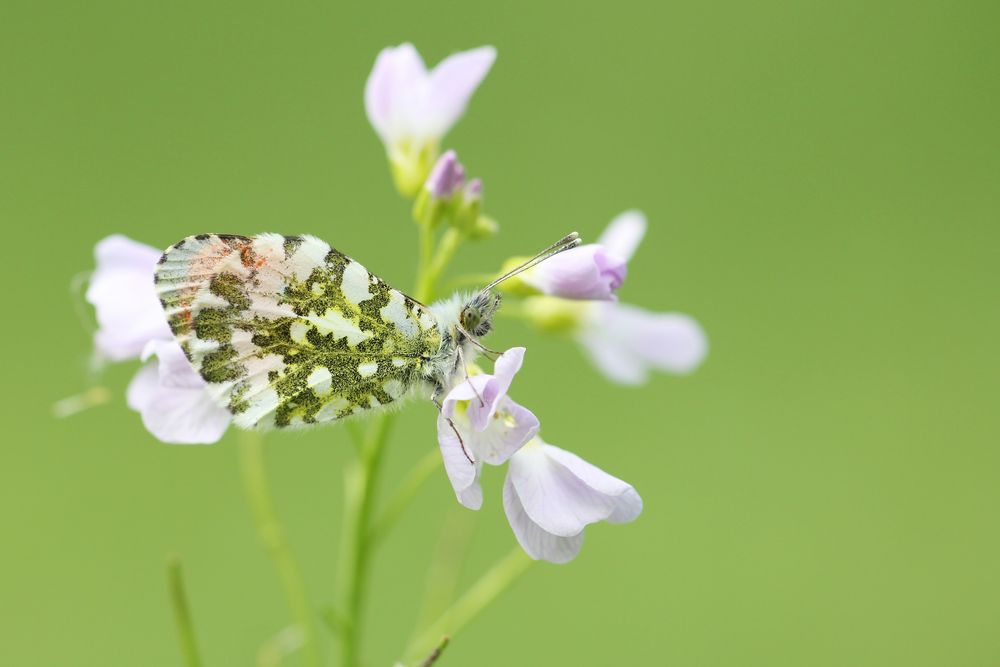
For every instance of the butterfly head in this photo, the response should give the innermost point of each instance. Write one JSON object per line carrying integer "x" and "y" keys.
{"x": 476, "y": 317}
{"x": 477, "y": 313}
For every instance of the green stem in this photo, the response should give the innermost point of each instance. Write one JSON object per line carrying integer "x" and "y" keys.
{"x": 450, "y": 241}
{"x": 498, "y": 579}
{"x": 182, "y": 614}
{"x": 272, "y": 535}
{"x": 445, "y": 570}
{"x": 404, "y": 495}
{"x": 359, "y": 487}
{"x": 424, "y": 259}
{"x": 361, "y": 476}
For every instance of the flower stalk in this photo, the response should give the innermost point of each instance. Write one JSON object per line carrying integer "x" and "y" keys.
{"x": 498, "y": 579}
{"x": 359, "y": 490}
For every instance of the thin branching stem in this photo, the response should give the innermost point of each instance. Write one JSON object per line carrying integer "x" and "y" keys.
{"x": 498, "y": 579}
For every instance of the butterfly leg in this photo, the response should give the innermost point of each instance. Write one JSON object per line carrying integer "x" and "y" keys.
{"x": 465, "y": 369}
{"x": 437, "y": 404}
{"x": 493, "y": 354}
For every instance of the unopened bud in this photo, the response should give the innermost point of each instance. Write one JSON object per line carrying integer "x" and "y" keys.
{"x": 554, "y": 315}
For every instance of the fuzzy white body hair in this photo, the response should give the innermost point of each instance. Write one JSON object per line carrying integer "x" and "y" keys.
{"x": 444, "y": 368}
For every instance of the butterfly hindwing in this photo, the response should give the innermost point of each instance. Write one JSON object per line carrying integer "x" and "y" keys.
{"x": 287, "y": 330}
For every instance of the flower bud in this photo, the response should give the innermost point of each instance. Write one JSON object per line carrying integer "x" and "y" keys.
{"x": 554, "y": 315}
{"x": 447, "y": 176}
{"x": 484, "y": 228}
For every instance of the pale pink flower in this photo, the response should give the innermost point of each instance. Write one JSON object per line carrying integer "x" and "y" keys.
{"x": 594, "y": 271}
{"x": 406, "y": 102}
{"x": 123, "y": 294}
{"x": 625, "y": 342}
{"x": 173, "y": 399}
{"x": 169, "y": 394}
{"x": 491, "y": 425}
{"x": 412, "y": 108}
{"x": 550, "y": 496}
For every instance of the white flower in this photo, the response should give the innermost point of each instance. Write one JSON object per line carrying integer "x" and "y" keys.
{"x": 169, "y": 394}
{"x": 123, "y": 294}
{"x": 412, "y": 108}
{"x": 492, "y": 426}
{"x": 173, "y": 399}
{"x": 588, "y": 272}
{"x": 550, "y": 495}
{"x": 624, "y": 341}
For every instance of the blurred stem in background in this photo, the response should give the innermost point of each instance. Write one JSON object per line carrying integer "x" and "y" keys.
{"x": 272, "y": 535}
{"x": 478, "y": 597}
{"x": 182, "y": 614}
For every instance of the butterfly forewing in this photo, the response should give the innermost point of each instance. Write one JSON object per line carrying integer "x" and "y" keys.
{"x": 287, "y": 330}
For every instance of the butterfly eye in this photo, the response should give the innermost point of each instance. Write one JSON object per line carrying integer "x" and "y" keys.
{"x": 470, "y": 319}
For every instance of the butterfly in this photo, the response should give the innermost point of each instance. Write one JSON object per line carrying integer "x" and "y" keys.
{"x": 288, "y": 331}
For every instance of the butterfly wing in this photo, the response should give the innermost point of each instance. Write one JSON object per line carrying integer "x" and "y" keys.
{"x": 287, "y": 330}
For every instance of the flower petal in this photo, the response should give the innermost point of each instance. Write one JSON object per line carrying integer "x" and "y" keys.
{"x": 623, "y": 234}
{"x": 143, "y": 387}
{"x": 174, "y": 368}
{"x": 512, "y": 426}
{"x": 393, "y": 90}
{"x": 535, "y": 541}
{"x": 463, "y": 475}
{"x": 627, "y": 502}
{"x": 495, "y": 388}
{"x": 452, "y": 83}
{"x": 552, "y": 496}
{"x": 176, "y": 415}
{"x": 124, "y": 295}
{"x": 624, "y": 341}
{"x": 585, "y": 272}
{"x": 612, "y": 357}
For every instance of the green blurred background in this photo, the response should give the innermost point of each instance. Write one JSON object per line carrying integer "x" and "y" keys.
{"x": 821, "y": 181}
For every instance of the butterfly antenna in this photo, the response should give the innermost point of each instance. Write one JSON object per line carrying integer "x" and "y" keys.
{"x": 567, "y": 242}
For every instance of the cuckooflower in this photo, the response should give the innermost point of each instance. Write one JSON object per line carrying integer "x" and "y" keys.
{"x": 122, "y": 292}
{"x": 168, "y": 393}
{"x": 412, "y": 108}
{"x": 593, "y": 271}
{"x": 622, "y": 340}
{"x": 625, "y": 341}
{"x": 491, "y": 425}
{"x": 172, "y": 398}
{"x": 587, "y": 272}
{"x": 550, "y": 495}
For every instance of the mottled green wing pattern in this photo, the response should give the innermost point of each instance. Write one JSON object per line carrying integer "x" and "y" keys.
{"x": 288, "y": 331}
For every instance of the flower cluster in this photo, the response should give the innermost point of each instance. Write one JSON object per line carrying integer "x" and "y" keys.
{"x": 550, "y": 495}
{"x": 169, "y": 394}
